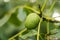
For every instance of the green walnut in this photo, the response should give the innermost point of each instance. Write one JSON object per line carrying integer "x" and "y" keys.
{"x": 32, "y": 21}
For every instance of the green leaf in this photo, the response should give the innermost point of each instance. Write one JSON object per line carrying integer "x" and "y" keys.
{"x": 21, "y": 14}
{"x": 29, "y": 34}
{"x": 54, "y": 36}
{"x": 14, "y": 20}
{"x": 43, "y": 27}
{"x": 54, "y": 31}
{"x": 4, "y": 19}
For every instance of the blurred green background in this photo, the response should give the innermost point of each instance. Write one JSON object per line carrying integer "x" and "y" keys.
{"x": 13, "y": 15}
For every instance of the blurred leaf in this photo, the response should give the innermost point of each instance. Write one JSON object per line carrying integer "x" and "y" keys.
{"x": 21, "y": 14}
{"x": 43, "y": 27}
{"x": 29, "y": 34}
{"x": 2, "y": 9}
{"x": 54, "y": 36}
{"x": 4, "y": 19}
{"x": 29, "y": 38}
{"x": 54, "y": 31}
{"x": 14, "y": 20}
{"x": 3, "y": 36}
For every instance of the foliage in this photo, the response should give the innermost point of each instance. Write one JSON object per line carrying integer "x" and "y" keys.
{"x": 13, "y": 14}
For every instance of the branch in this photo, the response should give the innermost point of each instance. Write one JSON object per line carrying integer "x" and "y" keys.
{"x": 44, "y": 18}
{"x": 17, "y": 34}
{"x": 50, "y": 20}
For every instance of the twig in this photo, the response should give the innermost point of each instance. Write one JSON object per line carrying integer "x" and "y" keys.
{"x": 44, "y": 5}
{"x": 47, "y": 30}
{"x": 52, "y": 6}
{"x": 17, "y": 34}
{"x": 48, "y": 20}
{"x": 32, "y": 9}
{"x": 38, "y": 34}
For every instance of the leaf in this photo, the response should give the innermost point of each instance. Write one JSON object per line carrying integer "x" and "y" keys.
{"x": 6, "y": 17}
{"x": 2, "y": 35}
{"x": 54, "y": 31}
{"x": 21, "y": 14}
{"x": 55, "y": 36}
{"x": 29, "y": 34}
{"x": 43, "y": 27}
{"x": 14, "y": 20}
{"x": 2, "y": 9}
